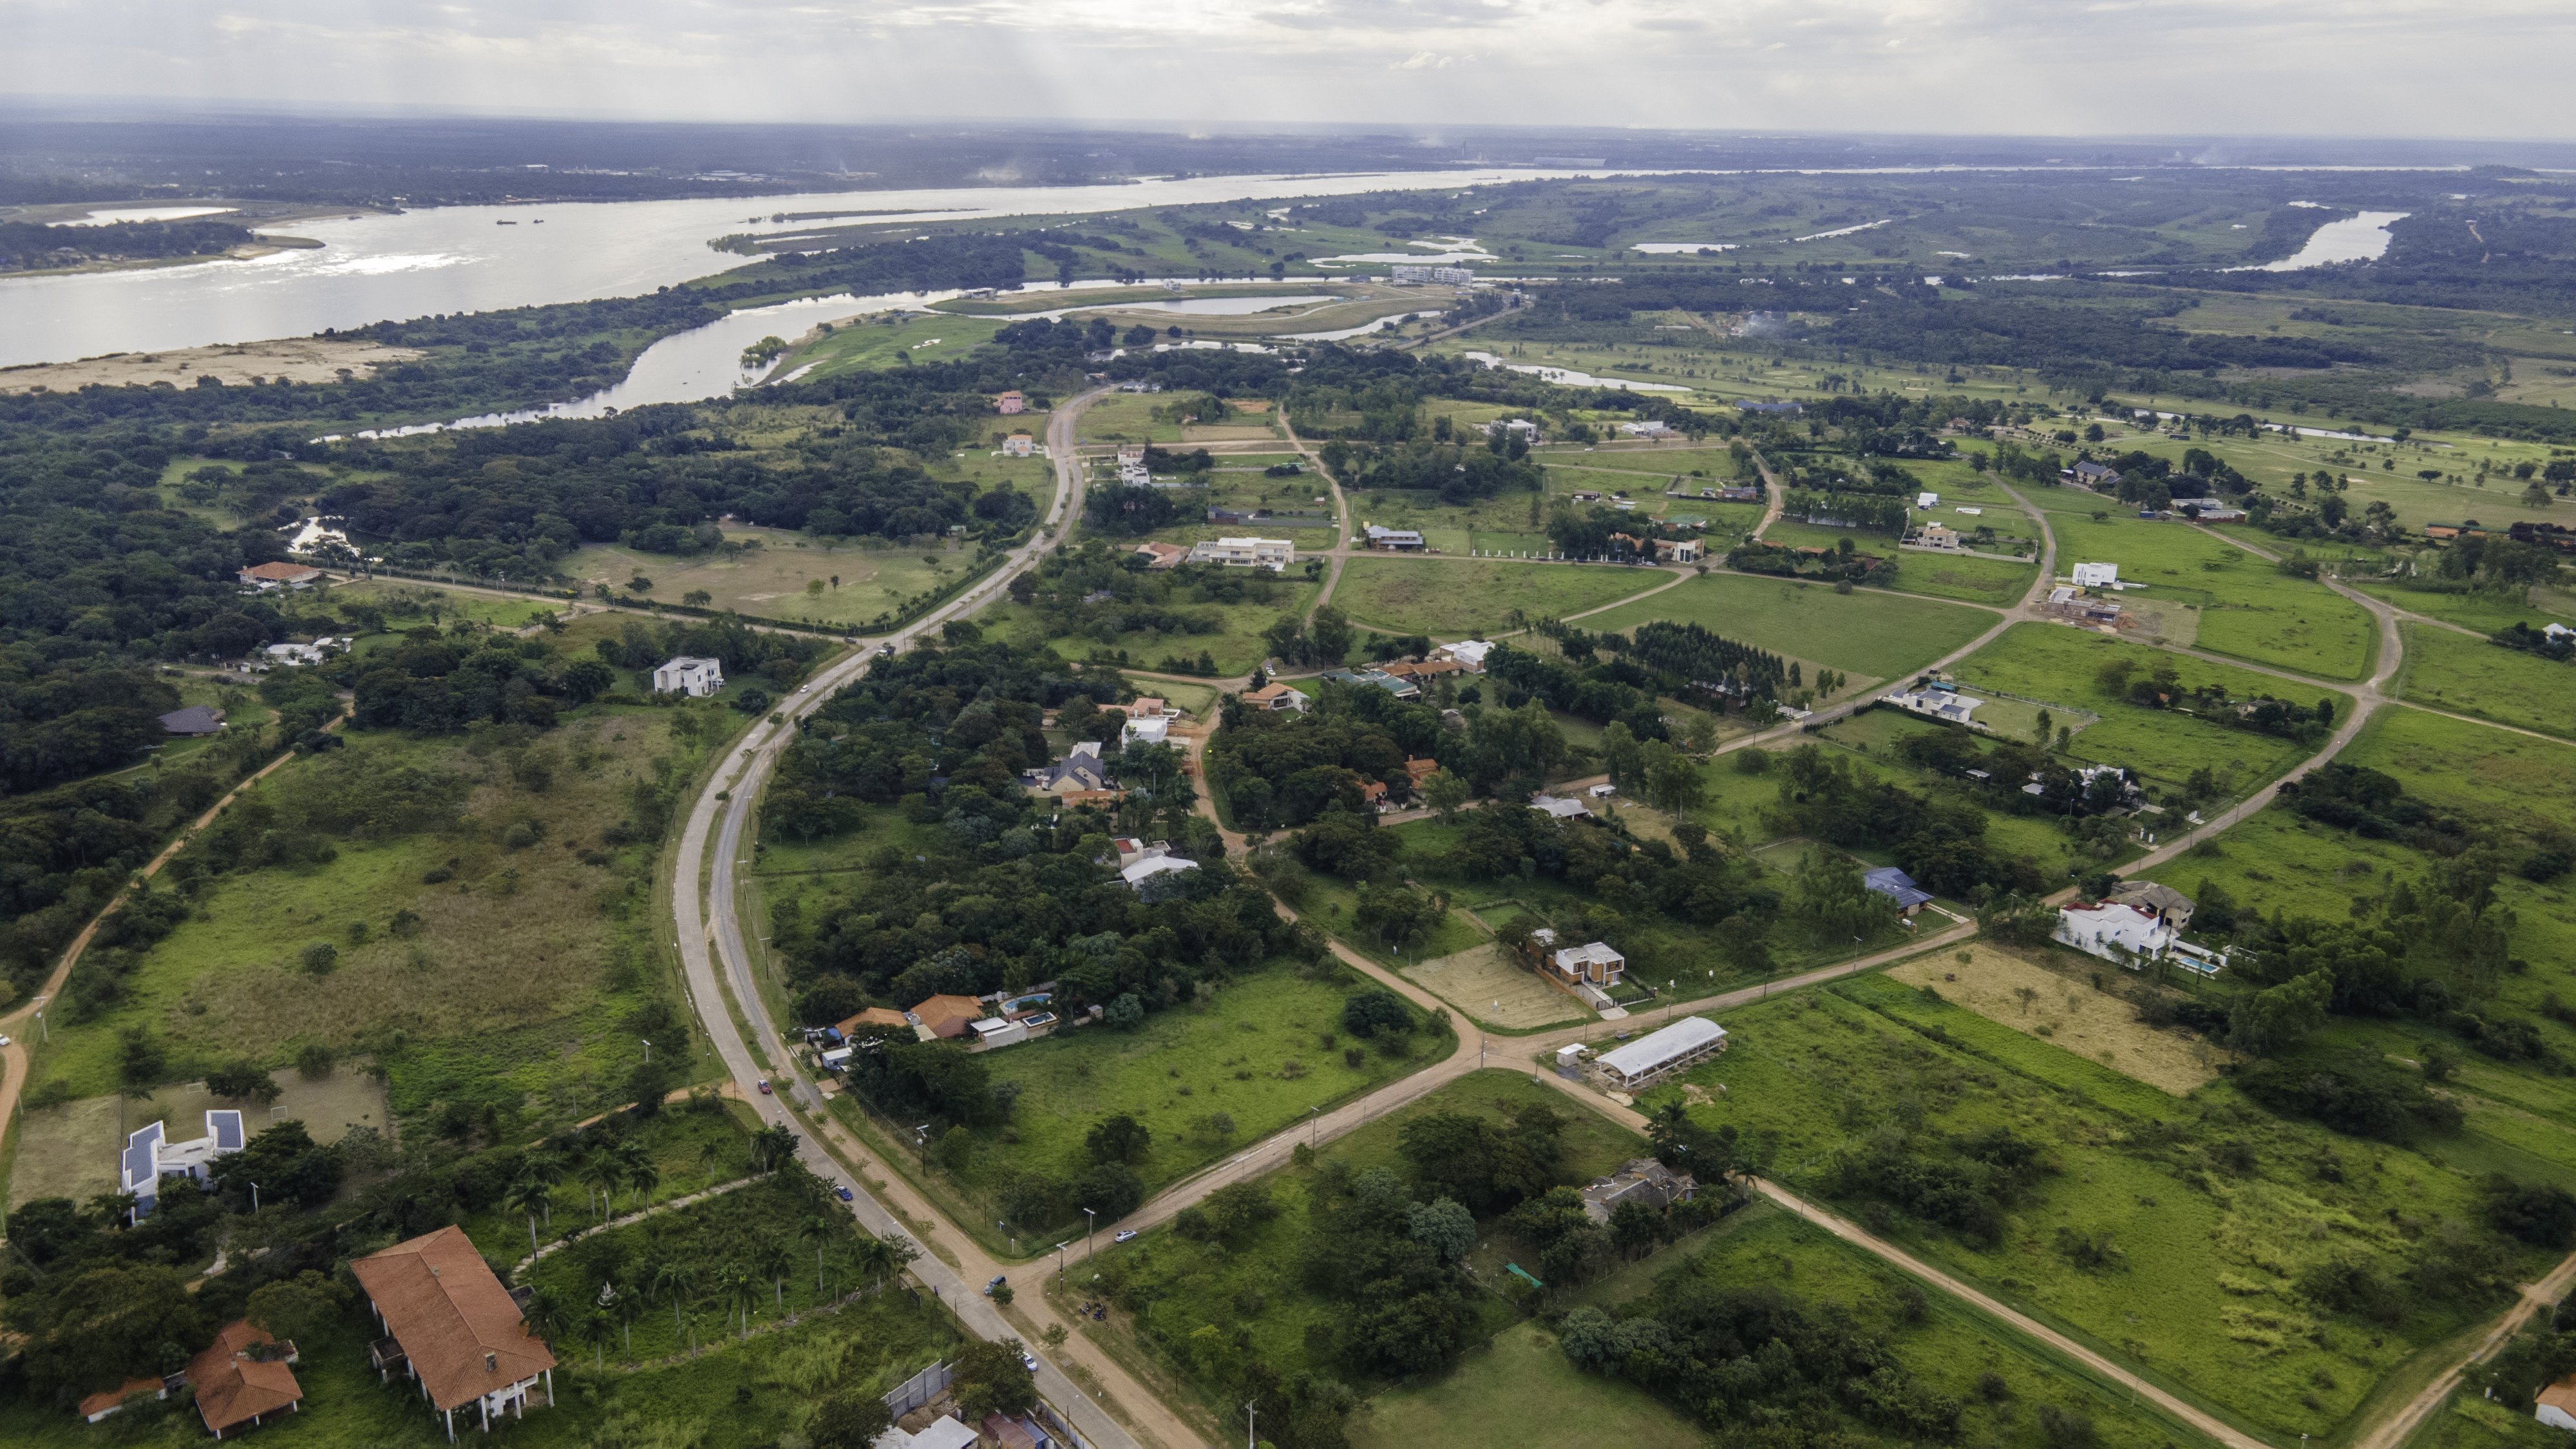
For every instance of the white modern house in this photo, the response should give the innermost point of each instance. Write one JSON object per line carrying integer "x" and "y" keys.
{"x": 1469, "y": 652}
{"x": 2114, "y": 931}
{"x": 1274, "y": 554}
{"x": 685, "y": 675}
{"x": 2096, "y": 575}
{"x": 1941, "y": 704}
{"x": 1154, "y": 860}
{"x": 150, "y": 1156}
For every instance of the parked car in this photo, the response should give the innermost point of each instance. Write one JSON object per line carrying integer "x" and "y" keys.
{"x": 998, "y": 1280}
{"x": 1029, "y": 1361}
{"x": 1125, "y": 1235}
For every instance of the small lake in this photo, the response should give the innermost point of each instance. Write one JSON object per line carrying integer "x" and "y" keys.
{"x": 1568, "y": 377}
{"x": 2363, "y": 238}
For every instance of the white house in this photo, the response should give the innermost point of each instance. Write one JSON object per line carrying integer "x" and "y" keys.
{"x": 313, "y": 653}
{"x": 2110, "y": 928}
{"x": 1151, "y": 730}
{"x": 1019, "y": 445}
{"x": 1937, "y": 704}
{"x": 1274, "y": 554}
{"x": 1470, "y": 652}
{"x": 150, "y": 1156}
{"x": 685, "y": 675}
{"x": 2096, "y": 575}
{"x": 1154, "y": 860}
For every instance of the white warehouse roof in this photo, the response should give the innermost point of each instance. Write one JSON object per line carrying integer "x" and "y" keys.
{"x": 1683, "y": 1037}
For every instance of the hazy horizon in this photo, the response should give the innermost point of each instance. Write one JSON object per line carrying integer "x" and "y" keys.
{"x": 2484, "y": 70}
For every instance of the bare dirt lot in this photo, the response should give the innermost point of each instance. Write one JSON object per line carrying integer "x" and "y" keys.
{"x": 297, "y": 359}
{"x": 1481, "y": 983}
{"x": 70, "y": 1151}
{"x": 2063, "y": 1008}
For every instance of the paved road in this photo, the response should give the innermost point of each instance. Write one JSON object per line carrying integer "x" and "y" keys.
{"x": 719, "y": 969}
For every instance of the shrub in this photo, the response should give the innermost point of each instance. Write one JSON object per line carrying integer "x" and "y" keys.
{"x": 321, "y": 958}
{"x": 315, "y": 1061}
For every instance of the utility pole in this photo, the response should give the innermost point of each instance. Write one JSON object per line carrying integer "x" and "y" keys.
{"x": 648, "y": 1050}
{"x": 1091, "y": 1221}
{"x": 1252, "y": 1436}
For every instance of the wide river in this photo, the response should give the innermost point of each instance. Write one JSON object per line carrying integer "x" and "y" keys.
{"x": 457, "y": 259}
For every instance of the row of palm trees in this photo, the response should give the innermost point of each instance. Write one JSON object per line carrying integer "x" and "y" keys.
{"x": 689, "y": 1287}
{"x": 623, "y": 1165}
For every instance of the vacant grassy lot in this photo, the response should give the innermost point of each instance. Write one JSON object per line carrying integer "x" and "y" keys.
{"x": 1237, "y": 646}
{"x": 2495, "y": 776}
{"x": 1977, "y": 580}
{"x": 2471, "y": 676}
{"x": 1258, "y": 1055}
{"x": 2199, "y": 1262}
{"x": 1184, "y": 1287}
{"x": 1448, "y": 597}
{"x": 1520, "y": 1392}
{"x": 503, "y": 973}
{"x": 1487, "y": 985}
{"x": 408, "y": 604}
{"x": 1863, "y": 632}
{"x": 888, "y": 340}
{"x": 2051, "y": 995}
{"x": 2484, "y": 612}
{"x": 771, "y": 580}
{"x": 1947, "y": 1349}
{"x": 2057, "y": 664}
{"x": 2249, "y": 608}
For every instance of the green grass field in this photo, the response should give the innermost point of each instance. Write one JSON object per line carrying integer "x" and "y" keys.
{"x": 1863, "y": 632}
{"x": 1237, "y": 646}
{"x": 893, "y": 339}
{"x": 1520, "y": 1392}
{"x": 2484, "y": 612}
{"x": 2248, "y": 608}
{"x": 2471, "y": 676}
{"x": 1447, "y": 598}
{"x": 517, "y": 972}
{"x": 2053, "y": 663}
{"x": 772, "y": 581}
{"x": 2199, "y": 1288}
{"x": 1181, "y": 1067}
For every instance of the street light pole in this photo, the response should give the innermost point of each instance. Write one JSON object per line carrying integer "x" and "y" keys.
{"x": 1091, "y": 1221}
{"x": 1059, "y": 1262}
{"x": 648, "y": 1050}
{"x": 1314, "y": 1125}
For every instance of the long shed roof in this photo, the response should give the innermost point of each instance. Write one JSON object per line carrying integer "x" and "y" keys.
{"x": 1654, "y": 1050}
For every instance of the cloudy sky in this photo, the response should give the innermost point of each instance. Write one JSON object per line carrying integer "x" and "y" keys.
{"x": 2486, "y": 68}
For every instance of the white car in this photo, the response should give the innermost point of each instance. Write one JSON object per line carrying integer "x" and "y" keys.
{"x": 4, "y": 1041}
{"x": 1029, "y": 1361}
{"x": 1125, "y": 1235}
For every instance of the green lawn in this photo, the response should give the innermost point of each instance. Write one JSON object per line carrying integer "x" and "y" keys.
{"x": 408, "y": 603}
{"x": 2471, "y": 676}
{"x": 1520, "y": 1392}
{"x": 2200, "y": 1287}
{"x": 896, "y": 339}
{"x": 1863, "y": 632}
{"x": 2248, "y": 607}
{"x": 1183, "y": 1066}
{"x": 2484, "y": 612}
{"x": 1237, "y": 644}
{"x": 1447, "y": 598}
{"x": 2056, "y": 664}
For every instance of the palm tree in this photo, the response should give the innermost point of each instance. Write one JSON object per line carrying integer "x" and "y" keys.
{"x": 636, "y": 1169}
{"x": 599, "y": 1177}
{"x": 675, "y": 1279}
{"x": 820, "y": 1231}
{"x": 711, "y": 1156}
{"x": 546, "y": 1316}
{"x": 774, "y": 1144}
{"x": 530, "y": 1197}
{"x": 773, "y": 1257}
{"x": 544, "y": 1169}
{"x": 741, "y": 1289}
{"x": 874, "y": 1258}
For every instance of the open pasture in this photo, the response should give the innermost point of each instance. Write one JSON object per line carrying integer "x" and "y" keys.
{"x": 1862, "y": 632}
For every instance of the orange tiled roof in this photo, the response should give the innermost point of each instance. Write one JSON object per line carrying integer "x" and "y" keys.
{"x": 451, "y": 1315}
{"x": 233, "y": 1388}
